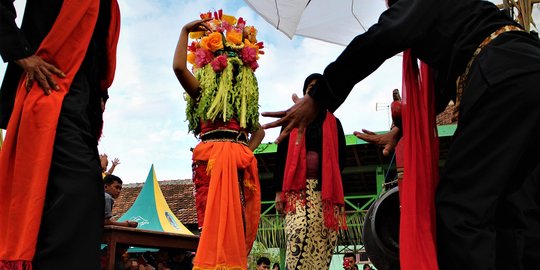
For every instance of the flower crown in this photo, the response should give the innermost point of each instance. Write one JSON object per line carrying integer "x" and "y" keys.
{"x": 228, "y": 37}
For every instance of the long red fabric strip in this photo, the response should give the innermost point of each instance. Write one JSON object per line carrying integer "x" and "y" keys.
{"x": 417, "y": 249}
{"x": 26, "y": 155}
{"x": 294, "y": 180}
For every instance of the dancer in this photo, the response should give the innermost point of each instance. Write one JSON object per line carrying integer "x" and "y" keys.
{"x": 61, "y": 62}
{"x": 308, "y": 188}
{"x": 222, "y": 111}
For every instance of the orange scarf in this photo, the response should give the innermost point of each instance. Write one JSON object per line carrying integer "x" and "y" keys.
{"x": 25, "y": 157}
{"x": 421, "y": 154}
{"x": 294, "y": 180}
{"x": 225, "y": 243}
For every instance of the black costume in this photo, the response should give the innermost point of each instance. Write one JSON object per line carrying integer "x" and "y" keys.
{"x": 485, "y": 165}
{"x": 72, "y": 222}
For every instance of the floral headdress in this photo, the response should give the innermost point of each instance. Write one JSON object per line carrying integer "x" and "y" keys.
{"x": 224, "y": 60}
{"x": 229, "y": 37}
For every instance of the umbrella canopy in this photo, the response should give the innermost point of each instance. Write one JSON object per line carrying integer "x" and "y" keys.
{"x": 151, "y": 210}
{"x": 331, "y": 21}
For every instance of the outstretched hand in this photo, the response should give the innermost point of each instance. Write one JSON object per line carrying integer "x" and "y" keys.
{"x": 300, "y": 115}
{"x": 387, "y": 140}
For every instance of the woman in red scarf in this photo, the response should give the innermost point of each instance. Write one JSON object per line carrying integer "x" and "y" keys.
{"x": 224, "y": 167}
{"x": 309, "y": 190}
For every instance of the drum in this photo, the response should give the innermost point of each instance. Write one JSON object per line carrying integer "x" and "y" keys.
{"x": 380, "y": 233}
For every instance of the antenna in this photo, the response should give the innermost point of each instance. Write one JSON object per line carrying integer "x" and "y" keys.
{"x": 379, "y": 106}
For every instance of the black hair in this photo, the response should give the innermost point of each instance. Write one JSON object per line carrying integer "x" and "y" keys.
{"x": 349, "y": 255}
{"x": 391, "y": 2}
{"x": 110, "y": 179}
{"x": 264, "y": 260}
{"x": 276, "y": 264}
{"x": 310, "y": 78}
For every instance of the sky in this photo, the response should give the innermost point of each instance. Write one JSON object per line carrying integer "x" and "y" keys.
{"x": 145, "y": 123}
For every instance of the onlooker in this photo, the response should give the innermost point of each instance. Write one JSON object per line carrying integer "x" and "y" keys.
{"x": 276, "y": 266}
{"x": 367, "y": 267}
{"x": 104, "y": 160}
{"x": 263, "y": 263}
{"x": 113, "y": 187}
{"x": 349, "y": 261}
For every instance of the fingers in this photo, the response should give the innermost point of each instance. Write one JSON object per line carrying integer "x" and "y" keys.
{"x": 301, "y": 131}
{"x": 295, "y": 98}
{"x": 279, "y": 114}
{"x": 29, "y": 82}
{"x": 368, "y": 132}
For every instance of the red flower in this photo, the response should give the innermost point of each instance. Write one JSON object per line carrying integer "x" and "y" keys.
{"x": 219, "y": 63}
{"x": 203, "y": 57}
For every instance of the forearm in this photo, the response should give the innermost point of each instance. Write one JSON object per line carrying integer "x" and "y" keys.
{"x": 183, "y": 74}
{"x": 13, "y": 42}
{"x": 256, "y": 138}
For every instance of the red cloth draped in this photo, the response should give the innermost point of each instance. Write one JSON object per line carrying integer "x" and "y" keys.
{"x": 26, "y": 155}
{"x": 294, "y": 180}
{"x": 417, "y": 236}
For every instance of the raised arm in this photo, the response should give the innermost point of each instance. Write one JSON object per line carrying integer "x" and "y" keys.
{"x": 183, "y": 74}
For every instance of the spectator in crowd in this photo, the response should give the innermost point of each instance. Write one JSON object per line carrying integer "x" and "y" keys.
{"x": 104, "y": 160}
{"x": 113, "y": 187}
{"x": 263, "y": 263}
{"x": 349, "y": 261}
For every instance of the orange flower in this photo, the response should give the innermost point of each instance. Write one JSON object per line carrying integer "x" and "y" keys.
{"x": 251, "y": 33}
{"x": 212, "y": 42}
{"x": 191, "y": 58}
{"x": 228, "y": 18}
{"x": 234, "y": 36}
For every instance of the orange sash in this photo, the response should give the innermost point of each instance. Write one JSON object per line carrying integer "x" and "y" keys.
{"x": 25, "y": 157}
{"x": 223, "y": 243}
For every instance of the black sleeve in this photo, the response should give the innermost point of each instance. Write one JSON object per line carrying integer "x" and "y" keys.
{"x": 281, "y": 160}
{"x": 398, "y": 28}
{"x": 342, "y": 144}
{"x": 13, "y": 43}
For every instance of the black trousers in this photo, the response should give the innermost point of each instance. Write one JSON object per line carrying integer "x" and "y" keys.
{"x": 487, "y": 199}
{"x": 72, "y": 223}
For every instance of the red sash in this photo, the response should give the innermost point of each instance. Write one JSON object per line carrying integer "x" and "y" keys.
{"x": 25, "y": 157}
{"x": 294, "y": 180}
{"x": 421, "y": 154}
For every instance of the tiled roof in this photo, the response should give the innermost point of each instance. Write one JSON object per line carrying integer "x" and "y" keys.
{"x": 445, "y": 117}
{"x": 177, "y": 193}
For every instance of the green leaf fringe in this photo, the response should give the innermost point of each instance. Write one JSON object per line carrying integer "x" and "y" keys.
{"x": 225, "y": 96}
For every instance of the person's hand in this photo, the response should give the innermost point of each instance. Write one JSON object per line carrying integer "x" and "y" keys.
{"x": 387, "y": 140}
{"x": 197, "y": 25}
{"x": 39, "y": 70}
{"x": 280, "y": 204}
{"x": 115, "y": 161}
{"x": 132, "y": 224}
{"x": 300, "y": 115}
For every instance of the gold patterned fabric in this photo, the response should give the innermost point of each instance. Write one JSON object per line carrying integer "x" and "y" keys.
{"x": 310, "y": 244}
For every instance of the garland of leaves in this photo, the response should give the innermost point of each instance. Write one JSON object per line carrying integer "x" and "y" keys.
{"x": 220, "y": 97}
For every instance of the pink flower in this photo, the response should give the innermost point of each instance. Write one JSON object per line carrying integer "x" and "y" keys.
{"x": 249, "y": 57}
{"x": 219, "y": 63}
{"x": 203, "y": 57}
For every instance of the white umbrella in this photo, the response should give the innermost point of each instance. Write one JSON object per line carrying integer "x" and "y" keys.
{"x": 337, "y": 21}
{"x": 334, "y": 21}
